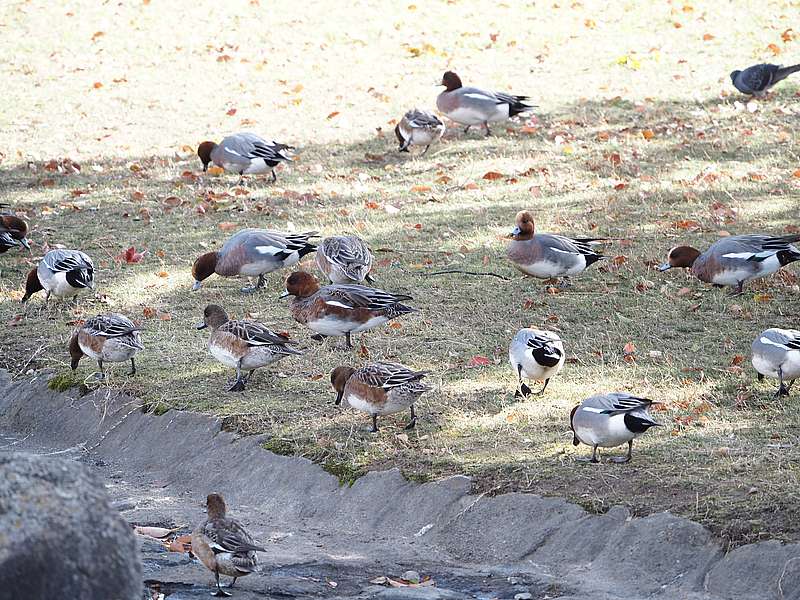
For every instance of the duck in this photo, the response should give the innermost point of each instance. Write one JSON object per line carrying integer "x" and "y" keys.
{"x": 757, "y": 79}
{"x": 251, "y": 253}
{"x": 62, "y": 273}
{"x": 419, "y": 128}
{"x": 223, "y": 545}
{"x": 380, "y": 388}
{"x": 547, "y": 255}
{"x": 610, "y": 420}
{"x": 731, "y": 261}
{"x": 344, "y": 259}
{"x": 245, "y": 153}
{"x": 109, "y": 337}
{"x": 776, "y": 354}
{"x": 13, "y": 233}
{"x": 535, "y": 354}
{"x": 473, "y": 106}
{"x": 339, "y": 310}
{"x": 243, "y": 345}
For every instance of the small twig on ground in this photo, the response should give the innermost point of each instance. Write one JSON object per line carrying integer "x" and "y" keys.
{"x": 489, "y": 273}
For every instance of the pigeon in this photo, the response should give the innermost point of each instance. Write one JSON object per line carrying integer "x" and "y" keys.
{"x": 756, "y": 80}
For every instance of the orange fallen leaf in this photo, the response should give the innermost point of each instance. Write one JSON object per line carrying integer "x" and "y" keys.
{"x": 215, "y": 170}
{"x": 333, "y": 114}
{"x": 471, "y": 186}
{"x": 774, "y": 48}
{"x": 371, "y": 205}
{"x": 137, "y": 195}
{"x": 528, "y": 129}
{"x": 762, "y": 297}
{"x": 737, "y": 360}
{"x": 97, "y": 85}
{"x": 421, "y": 188}
{"x": 629, "y": 348}
{"x": 648, "y": 134}
{"x": 182, "y": 543}
{"x": 686, "y": 224}
{"x": 479, "y": 361}
{"x": 298, "y": 88}
{"x": 708, "y": 37}
{"x": 395, "y": 325}
{"x": 165, "y": 316}
{"x": 492, "y": 175}
{"x": 162, "y": 274}
{"x": 230, "y": 112}
{"x": 227, "y": 226}
{"x": 98, "y": 34}
{"x": 589, "y": 24}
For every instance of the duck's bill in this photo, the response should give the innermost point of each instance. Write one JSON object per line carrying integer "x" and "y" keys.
{"x": 665, "y": 267}
{"x": 25, "y": 244}
{"x": 515, "y": 233}
{"x": 196, "y": 286}
{"x": 284, "y": 294}
{"x": 201, "y": 326}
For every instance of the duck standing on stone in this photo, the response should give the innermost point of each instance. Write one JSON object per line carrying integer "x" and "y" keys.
{"x": 223, "y": 545}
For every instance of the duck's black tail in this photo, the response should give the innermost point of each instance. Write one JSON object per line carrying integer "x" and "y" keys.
{"x": 516, "y": 104}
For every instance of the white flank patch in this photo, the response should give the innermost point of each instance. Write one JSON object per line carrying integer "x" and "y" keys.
{"x": 593, "y": 409}
{"x": 479, "y": 96}
{"x": 563, "y": 251}
{"x": 339, "y": 304}
{"x": 766, "y": 340}
{"x": 231, "y": 150}
{"x": 269, "y": 250}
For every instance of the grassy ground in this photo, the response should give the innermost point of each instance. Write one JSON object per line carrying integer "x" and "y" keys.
{"x": 637, "y": 137}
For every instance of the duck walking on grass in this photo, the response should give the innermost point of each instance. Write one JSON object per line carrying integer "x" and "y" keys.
{"x": 339, "y": 310}
{"x": 731, "y": 261}
{"x": 776, "y": 354}
{"x": 245, "y": 154}
{"x": 548, "y": 256}
{"x": 535, "y": 354}
{"x": 223, "y": 545}
{"x": 610, "y": 420}
{"x": 418, "y": 128}
{"x": 243, "y": 345}
{"x": 62, "y": 273}
{"x": 106, "y": 338}
{"x": 381, "y": 388}
{"x": 253, "y": 253}
{"x": 473, "y": 106}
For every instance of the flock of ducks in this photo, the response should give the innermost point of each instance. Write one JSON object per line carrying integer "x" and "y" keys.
{"x": 346, "y": 305}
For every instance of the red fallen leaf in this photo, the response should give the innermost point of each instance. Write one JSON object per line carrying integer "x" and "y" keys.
{"x": 371, "y": 205}
{"x": 493, "y": 175}
{"x": 528, "y": 303}
{"x": 189, "y": 175}
{"x": 15, "y": 320}
{"x": 395, "y": 325}
{"x": 614, "y": 158}
{"x": 619, "y": 260}
{"x": 620, "y": 186}
{"x": 130, "y": 255}
{"x": 471, "y": 186}
{"x": 737, "y": 360}
{"x": 224, "y": 58}
{"x": 479, "y": 361}
{"x": 629, "y": 348}
{"x": 418, "y": 226}
{"x": 137, "y": 195}
{"x": 686, "y": 224}
{"x": 231, "y": 112}
{"x": 333, "y": 114}
{"x": 76, "y": 193}
{"x": 148, "y": 312}
{"x": 363, "y": 351}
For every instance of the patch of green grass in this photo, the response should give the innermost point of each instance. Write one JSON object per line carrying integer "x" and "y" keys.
{"x": 587, "y": 165}
{"x": 346, "y": 472}
{"x": 63, "y": 381}
{"x": 279, "y": 446}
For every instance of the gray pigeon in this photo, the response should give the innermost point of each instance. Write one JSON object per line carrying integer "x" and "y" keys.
{"x": 756, "y": 80}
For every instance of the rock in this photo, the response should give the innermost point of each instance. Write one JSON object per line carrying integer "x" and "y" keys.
{"x": 763, "y": 571}
{"x": 523, "y": 596}
{"x": 423, "y": 593}
{"x": 59, "y": 537}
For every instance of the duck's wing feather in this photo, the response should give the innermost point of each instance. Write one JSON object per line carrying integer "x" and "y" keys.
{"x": 388, "y": 375}
{"x": 422, "y": 119}
{"x": 616, "y": 403}
{"x": 359, "y": 296}
{"x": 67, "y": 260}
{"x": 227, "y": 535}
{"x": 254, "y": 333}
{"x": 348, "y": 252}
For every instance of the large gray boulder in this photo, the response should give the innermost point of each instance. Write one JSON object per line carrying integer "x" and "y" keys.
{"x": 59, "y": 537}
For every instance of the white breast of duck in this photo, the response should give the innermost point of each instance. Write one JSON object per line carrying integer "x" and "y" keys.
{"x": 397, "y": 400}
{"x": 607, "y": 433}
{"x": 58, "y": 285}
{"x": 113, "y": 349}
{"x": 332, "y": 325}
{"x": 739, "y": 269}
{"x": 539, "y": 353}
{"x": 777, "y": 349}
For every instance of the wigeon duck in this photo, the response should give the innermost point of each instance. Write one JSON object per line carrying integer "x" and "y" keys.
{"x": 63, "y": 273}
{"x": 223, "y": 545}
{"x": 736, "y": 259}
{"x": 344, "y": 259}
{"x": 251, "y": 253}
{"x": 381, "y": 388}
{"x": 420, "y": 128}
{"x": 243, "y": 345}
{"x": 339, "y": 310}
{"x": 535, "y": 354}
{"x": 776, "y": 354}
{"x": 12, "y": 233}
{"x": 106, "y": 338}
{"x": 546, "y": 255}
{"x": 245, "y": 154}
{"x": 756, "y": 80}
{"x": 472, "y": 106}
{"x": 610, "y": 420}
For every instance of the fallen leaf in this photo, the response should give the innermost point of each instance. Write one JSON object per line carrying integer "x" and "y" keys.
{"x": 230, "y": 112}
{"x": 492, "y": 175}
{"x": 479, "y": 361}
{"x": 774, "y": 48}
{"x": 708, "y": 37}
{"x": 589, "y": 23}
{"x": 227, "y": 226}
{"x": 648, "y": 134}
{"x": 182, "y": 543}
{"x": 165, "y": 316}
{"x": 333, "y": 114}
{"x": 162, "y": 274}
{"x": 130, "y": 255}
{"x": 421, "y": 188}
{"x": 97, "y": 85}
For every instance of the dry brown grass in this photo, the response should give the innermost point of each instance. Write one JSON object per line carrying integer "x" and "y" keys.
{"x": 170, "y": 73}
